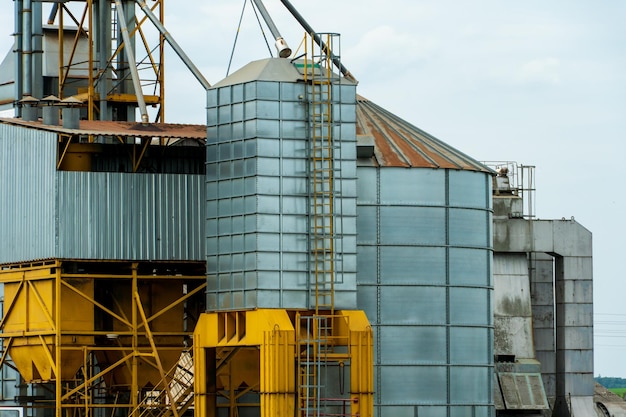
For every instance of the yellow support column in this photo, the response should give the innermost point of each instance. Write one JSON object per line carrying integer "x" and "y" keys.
{"x": 252, "y": 350}
{"x": 361, "y": 363}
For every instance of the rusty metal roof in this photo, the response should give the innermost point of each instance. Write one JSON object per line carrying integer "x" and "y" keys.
{"x": 400, "y": 144}
{"x": 107, "y": 128}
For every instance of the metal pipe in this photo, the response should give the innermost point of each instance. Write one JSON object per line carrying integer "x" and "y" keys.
{"x": 103, "y": 48}
{"x": 281, "y": 46}
{"x": 317, "y": 39}
{"x": 27, "y": 21}
{"x": 131, "y": 62}
{"x": 17, "y": 49}
{"x": 53, "y": 13}
{"x": 181, "y": 54}
{"x": 37, "y": 49}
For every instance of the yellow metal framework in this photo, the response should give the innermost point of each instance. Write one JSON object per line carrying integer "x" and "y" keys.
{"x": 151, "y": 66}
{"x": 247, "y": 359}
{"x": 102, "y": 334}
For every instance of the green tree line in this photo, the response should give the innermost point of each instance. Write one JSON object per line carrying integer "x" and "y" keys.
{"x": 611, "y": 382}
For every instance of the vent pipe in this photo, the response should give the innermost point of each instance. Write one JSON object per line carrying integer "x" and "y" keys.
{"x": 50, "y": 110}
{"x": 29, "y": 108}
{"x": 70, "y": 113}
{"x": 281, "y": 45}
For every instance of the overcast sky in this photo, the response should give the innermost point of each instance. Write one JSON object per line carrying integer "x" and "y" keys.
{"x": 537, "y": 82}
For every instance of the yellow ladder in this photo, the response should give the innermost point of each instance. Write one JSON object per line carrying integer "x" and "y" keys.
{"x": 315, "y": 332}
{"x": 321, "y": 176}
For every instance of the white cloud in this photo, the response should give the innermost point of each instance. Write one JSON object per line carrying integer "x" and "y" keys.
{"x": 544, "y": 70}
{"x": 387, "y": 50}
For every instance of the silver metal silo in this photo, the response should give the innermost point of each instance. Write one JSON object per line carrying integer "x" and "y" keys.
{"x": 424, "y": 270}
{"x": 258, "y": 202}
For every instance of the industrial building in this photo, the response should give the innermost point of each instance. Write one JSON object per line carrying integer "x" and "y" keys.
{"x": 320, "y": 256}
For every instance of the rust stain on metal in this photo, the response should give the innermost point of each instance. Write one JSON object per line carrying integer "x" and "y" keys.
{"x": 400, "y": 144}
{"x": 108, "y": 128}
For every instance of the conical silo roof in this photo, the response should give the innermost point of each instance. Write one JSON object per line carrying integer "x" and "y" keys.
{"x": 272, "y": 69}
{"x": 398, "y": 143}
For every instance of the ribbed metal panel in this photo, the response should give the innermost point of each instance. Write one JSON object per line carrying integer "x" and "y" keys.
{"x": 424, "y": 281}
{"x": 130, "y": 216}
{"x": 27, "y": 169}
{"x": 92, "y": 215}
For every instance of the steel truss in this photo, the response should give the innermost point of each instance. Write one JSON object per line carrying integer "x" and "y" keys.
{"x": 102, "y": 335}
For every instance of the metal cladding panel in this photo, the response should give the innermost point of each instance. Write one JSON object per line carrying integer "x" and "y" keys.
{"x": 258, "y": 206}
{"x": 424, "y": 281}
{"x": 130, "y": 216}
{"x": 27, "y": 169}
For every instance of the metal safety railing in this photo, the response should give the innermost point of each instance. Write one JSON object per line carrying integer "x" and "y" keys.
{"x": 519, "y": 180}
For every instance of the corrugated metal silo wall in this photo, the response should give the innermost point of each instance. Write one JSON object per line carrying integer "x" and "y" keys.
{"x": 50, "y": 214}
{"x": 257, "y": 191}
{"x": 27, "y": 190}
{"x": 424, "y": 281}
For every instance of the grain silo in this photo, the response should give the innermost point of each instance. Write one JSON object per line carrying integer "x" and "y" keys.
{"x": 281, "y": 245}
{"x": 424, "y": 269}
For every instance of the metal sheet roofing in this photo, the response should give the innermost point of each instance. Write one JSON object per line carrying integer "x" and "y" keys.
{"x": 400, "y": 144}
{"x": 273, "y": 69}
{"x": 107, "y": 128}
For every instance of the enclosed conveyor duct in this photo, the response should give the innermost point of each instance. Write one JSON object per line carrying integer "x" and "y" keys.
{"x": 131, "y": 58}
{"x": 179, "y": 51}
{"x": 318, "y": 39}
{"x": 281, "y": 45}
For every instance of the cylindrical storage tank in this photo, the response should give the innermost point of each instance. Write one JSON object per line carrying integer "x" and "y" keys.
{"x": 424, "y": 256}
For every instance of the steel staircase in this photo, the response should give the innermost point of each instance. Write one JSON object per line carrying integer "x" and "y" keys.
{"x": 179, "y": 383}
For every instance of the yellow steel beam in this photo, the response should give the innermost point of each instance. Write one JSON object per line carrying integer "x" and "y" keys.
{"x": 57, "y": 340}
{"x": 161, "y": 74}
{"x": 123, "y": 276}
{"x": 87, "y": 382}
{"x": 149, "y": 52}
{"x": 154, "y": 351}
{"x": 65, "y": 148}
{"x": 27, "y": 334}
{"x": 5, "y": 352}
{"x": 144, "y": 147}
{"x": 91, "y": 90}
{"x": 132, "y": 98}
{"x": 134, "y": 384}
{"x": 9, "y": 309}
{"x": 44, "y": 348}
{"x": 42, "y": 304}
